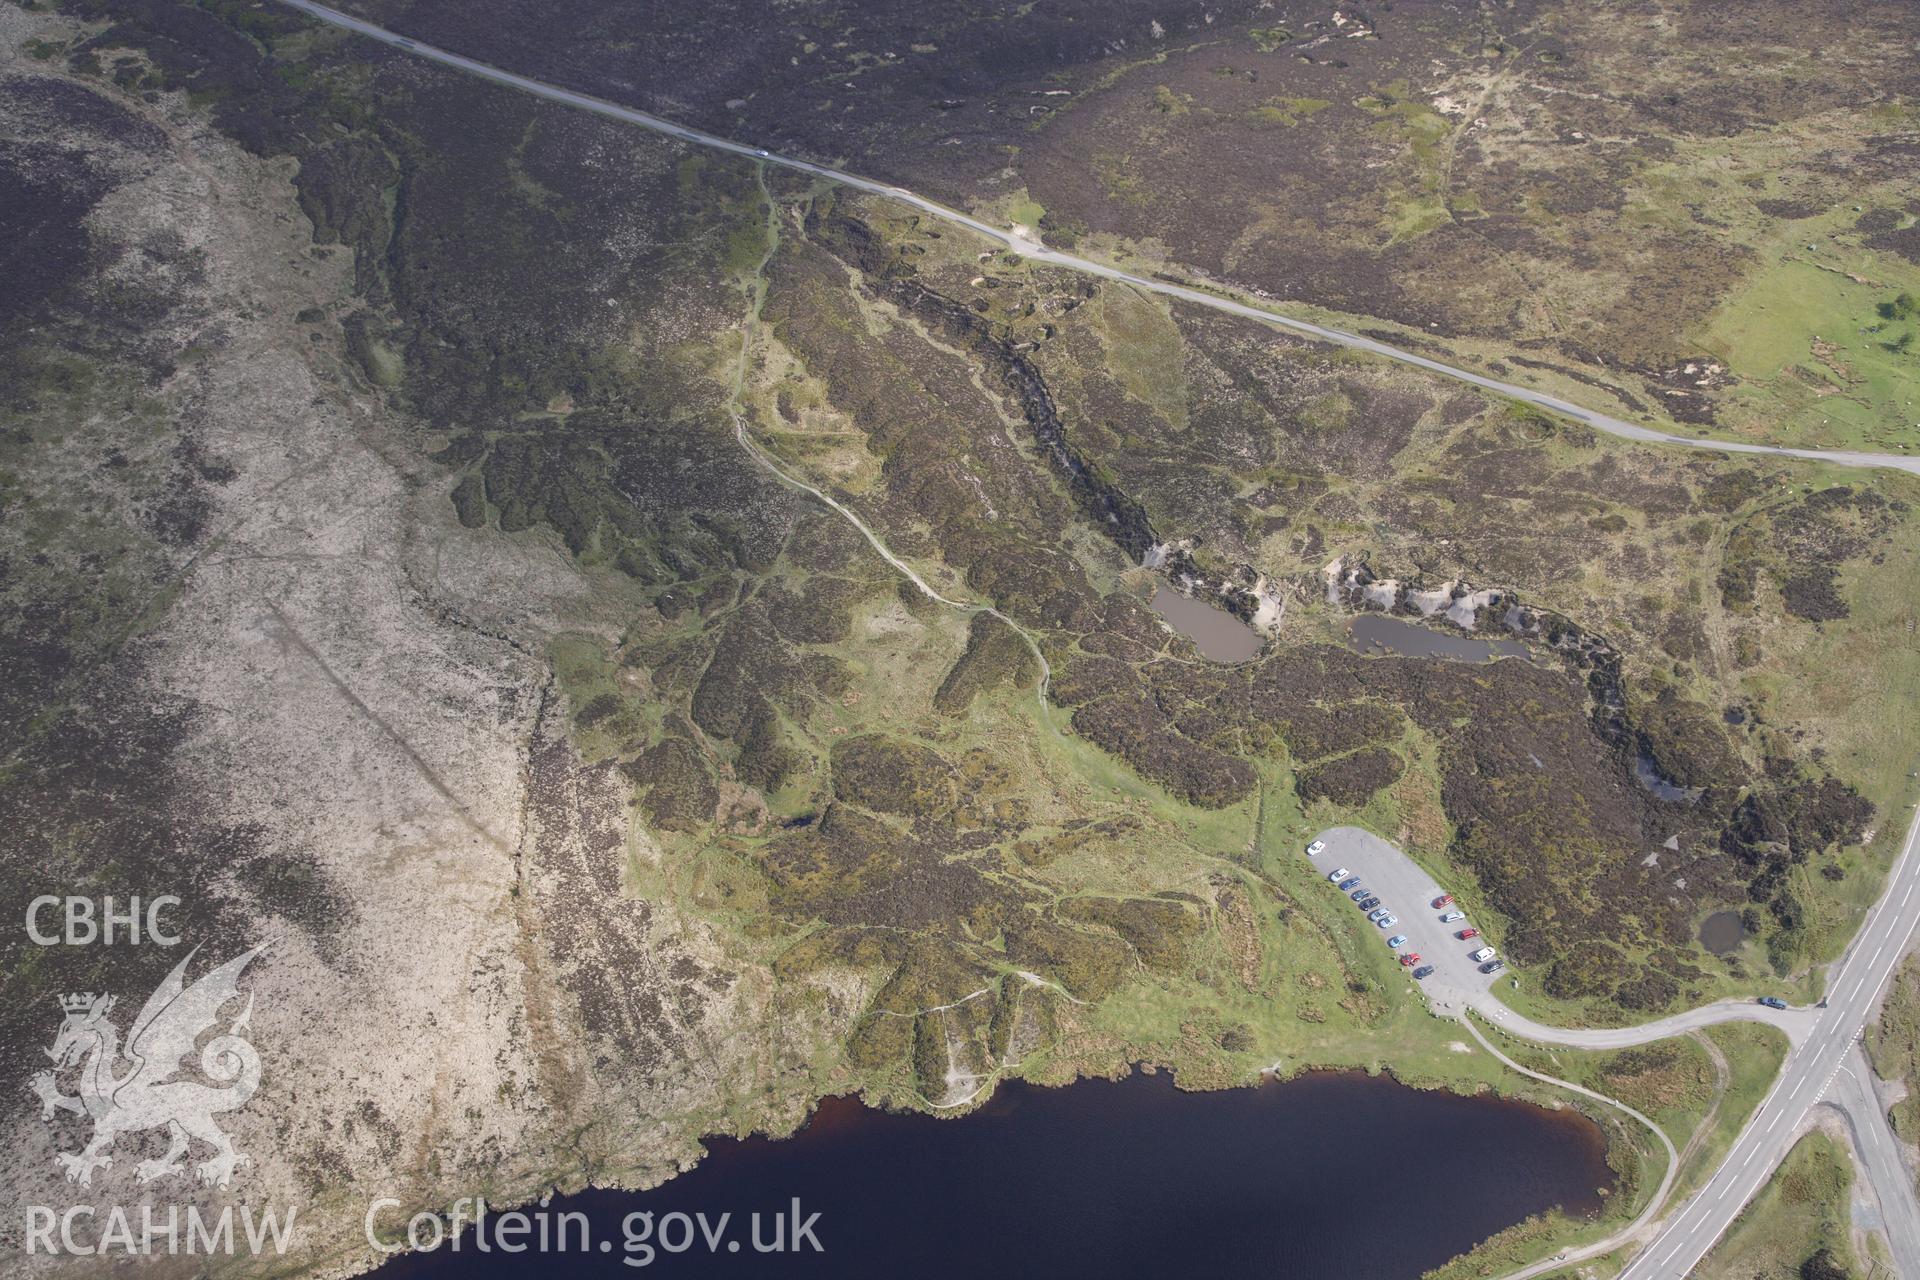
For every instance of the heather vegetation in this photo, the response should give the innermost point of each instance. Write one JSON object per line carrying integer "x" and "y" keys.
{"x": 1671, "y": 213}
{"x": 830, "y": 748}
{"x": 783, "y": 821}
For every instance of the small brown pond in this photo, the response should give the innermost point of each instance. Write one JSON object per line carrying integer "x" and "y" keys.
{"x": 1722, "y": 933}
{"x": 1215, "y": 632}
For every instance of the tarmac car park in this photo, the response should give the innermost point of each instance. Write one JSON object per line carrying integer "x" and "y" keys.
{"x": 1432, "y": 930}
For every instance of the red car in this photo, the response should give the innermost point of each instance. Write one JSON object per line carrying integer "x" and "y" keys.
{"x": 1464, "y": 934}
{"x": 1444, "y": 900}
{"x": 1410, "y": 959}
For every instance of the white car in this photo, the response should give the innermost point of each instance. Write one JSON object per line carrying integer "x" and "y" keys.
{"x": 1483, "y": 954}
{"x": 1335, "y": 877}
{"x": 1450, "y": 916}
{"x": 1317, "y": 847}
{"x": 1388, "y": 921}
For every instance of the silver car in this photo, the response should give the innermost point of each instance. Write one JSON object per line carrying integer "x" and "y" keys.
{"x": 1387, "y": 921}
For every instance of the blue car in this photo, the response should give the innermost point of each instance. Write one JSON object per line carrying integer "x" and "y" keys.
{"x": 1773, "y": 1002}
{"x": 1349, "y": 883}
{"x": 1397, "y": 941}
{"x": 1423, "y": 971}
{"x": 1369, "y": 903}
{"x": 1360, "y": 893}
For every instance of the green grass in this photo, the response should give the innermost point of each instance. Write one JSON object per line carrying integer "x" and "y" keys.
{"x": 1025, "y": 210}
{"x": 1894, "y": 1044}
{"x": 1819, "y": 363}
{"x": 1801, "y": 1210}
{"x": 1287, "y": 111}
{"x": 1674, "y": 1082}
{"x": 1297, "y": 1009}
{"x": 1148, "y": 353}
{"x": 1753, "y": 1052}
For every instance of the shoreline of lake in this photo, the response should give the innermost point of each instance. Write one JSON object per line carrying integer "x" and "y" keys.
{"x": 1119, "y": 1177}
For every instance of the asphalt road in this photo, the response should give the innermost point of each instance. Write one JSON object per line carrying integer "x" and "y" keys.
{"x": 1795, "y": 1022}
{"x": 1852, "y": 1092}
{"x": 1034, "y": 250}
{"x": 1854, "y": 987}
{"x": 1823, "y": 1049}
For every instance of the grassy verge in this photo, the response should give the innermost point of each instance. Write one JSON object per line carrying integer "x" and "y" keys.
{"x": 1799, "y": 1218}
{"x": 1753, "y": 1053}
{"x": 1698, "y": 1089}
{"x": 1894, "y": 1045}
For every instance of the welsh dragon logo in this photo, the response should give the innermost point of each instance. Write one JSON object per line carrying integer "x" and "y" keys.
{"x": 145, "y": 1094}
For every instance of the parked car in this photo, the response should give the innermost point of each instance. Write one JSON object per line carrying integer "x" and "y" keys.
{"x": 1369, "y": 902}
{"x": 1444, "y": 900}
{"x": 1338, "y": 874}
{"x": 1397, "y": 941}
{"x": 1773, "y": 1002}
{"x": 1410, "y": 959}
{"x": 1360, "y": 893}
{"x": 1376, "y": 913}
{"x": 1387, "y": 921}
{"x": 1449, "y": 917}
{"x": 1423, "y": 971}
{"x": 1484, "y": 953}
{"x": 1317, "y": 847}
{"x": 1493, "y": 966}
{"x": 1348, "y": 883}
{"x": 1464, "y": 934}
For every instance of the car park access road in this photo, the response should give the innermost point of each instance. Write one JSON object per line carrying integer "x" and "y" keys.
{"x": 1824, "y": 1041}
{"x": 1856, "y": 983}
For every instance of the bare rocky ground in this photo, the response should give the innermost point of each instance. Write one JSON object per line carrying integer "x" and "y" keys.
{"x": 355, "y": 685}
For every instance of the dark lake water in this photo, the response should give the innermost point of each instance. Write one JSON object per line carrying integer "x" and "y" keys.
{"x": 1376, "y": 631}
{"x": 1332, "y": 1175}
